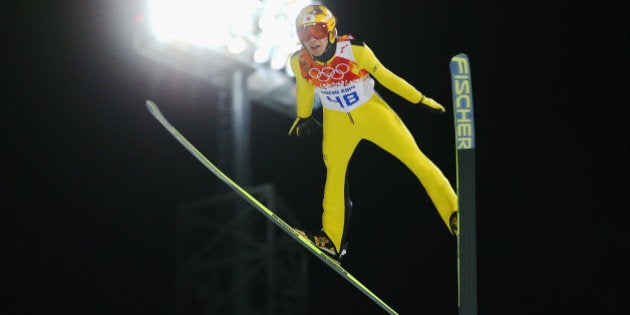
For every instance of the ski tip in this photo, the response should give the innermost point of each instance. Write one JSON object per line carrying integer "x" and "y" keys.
{"x": 153, "y": 108}
{"x": 459, "y": 56}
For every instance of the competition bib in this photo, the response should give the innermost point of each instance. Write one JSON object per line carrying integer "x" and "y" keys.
{"x": 341, "y": 84}
{"x": 347, "y": 97}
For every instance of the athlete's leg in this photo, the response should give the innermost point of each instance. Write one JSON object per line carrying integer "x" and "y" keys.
{"x": 339, "y": 142}
{"x": 393, "y": 136}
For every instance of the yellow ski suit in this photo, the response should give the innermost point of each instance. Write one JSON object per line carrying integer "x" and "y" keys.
{"x": 352, "y": 112}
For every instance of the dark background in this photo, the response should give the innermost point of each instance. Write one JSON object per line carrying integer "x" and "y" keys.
{"x": 91, "y": 181}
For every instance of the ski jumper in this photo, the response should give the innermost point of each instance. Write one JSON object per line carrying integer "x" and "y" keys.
{"x": 352, "y": 112}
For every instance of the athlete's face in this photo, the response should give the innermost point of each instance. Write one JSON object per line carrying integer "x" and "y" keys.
{"x": 316, "y": 46}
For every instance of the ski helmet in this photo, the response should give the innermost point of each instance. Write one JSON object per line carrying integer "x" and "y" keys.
{"x": 316, "y": 20}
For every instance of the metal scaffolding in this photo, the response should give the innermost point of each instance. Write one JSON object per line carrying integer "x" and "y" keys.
{"x": 273, "y": 268}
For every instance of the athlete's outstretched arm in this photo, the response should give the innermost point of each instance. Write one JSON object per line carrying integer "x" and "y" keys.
{"x": 367, "y": 60}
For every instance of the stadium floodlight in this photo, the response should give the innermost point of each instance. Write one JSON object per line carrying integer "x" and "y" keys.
{"x": 256, "y": 31}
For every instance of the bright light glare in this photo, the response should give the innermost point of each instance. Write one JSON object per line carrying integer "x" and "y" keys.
{"x": 261, "y": 55}
{"x": 236, "y": 45}
{"x": 278, "y": 61}
{"x": 198, "y": 22}
{"x": 267, "y": 25}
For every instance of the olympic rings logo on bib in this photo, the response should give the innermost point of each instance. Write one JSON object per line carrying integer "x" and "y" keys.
{"x": 329, "y": 73}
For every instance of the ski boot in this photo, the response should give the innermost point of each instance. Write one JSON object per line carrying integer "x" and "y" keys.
{"x": 321, "y": 240}
{"x": 452, "y": 221}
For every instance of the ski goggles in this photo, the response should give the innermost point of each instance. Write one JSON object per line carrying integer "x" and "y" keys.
{"x": 317, "y": 30}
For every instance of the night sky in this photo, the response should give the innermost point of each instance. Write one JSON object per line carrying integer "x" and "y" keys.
{"x": 92, "y": 182}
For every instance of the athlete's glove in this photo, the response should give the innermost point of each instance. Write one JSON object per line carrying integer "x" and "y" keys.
{"x": 304, "y": 126}
{"x": 432, "y": 106}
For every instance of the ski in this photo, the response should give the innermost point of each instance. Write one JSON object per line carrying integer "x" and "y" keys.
{"x": 463, "y": 114}
{"x": 155, "y": 111}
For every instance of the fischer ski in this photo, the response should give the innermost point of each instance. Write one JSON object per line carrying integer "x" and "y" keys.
{"x": 463, "y": 114}
{"x": 155, "y": 111}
